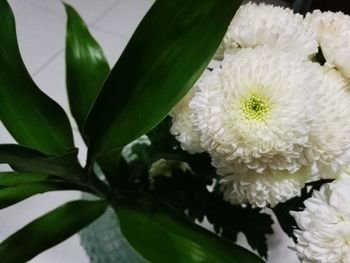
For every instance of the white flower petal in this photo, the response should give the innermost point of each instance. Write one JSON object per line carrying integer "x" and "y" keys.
{"x": 182, "y": 125}
{"x": 276, "y": 27}
{"x": 333, "y": 35}
{"x": 261, "y": 190}
{"x": 330, "y": 134}
{"x": 324, "y": 234}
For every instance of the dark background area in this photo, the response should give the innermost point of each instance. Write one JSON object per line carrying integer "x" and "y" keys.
{"x": 332, "y": 5}
{"x": 303, "y": 6}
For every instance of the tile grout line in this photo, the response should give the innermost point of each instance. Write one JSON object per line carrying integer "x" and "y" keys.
{"x": 52, "y": 58}
{"x": 114, "y": 34}
{"x": 104, "y": 13}
{"x": 37, "y": 6}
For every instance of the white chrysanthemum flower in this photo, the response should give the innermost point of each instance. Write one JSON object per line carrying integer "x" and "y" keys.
{"x": 324, "y": 235}
{"x": 333, "y": 35}
{"x": 256, "y": 110}
{"x": 182, "y": 125}
{"x": 330, "y": 135}
{"x": 255, "y": 117}
{"x": 276, "y": 27}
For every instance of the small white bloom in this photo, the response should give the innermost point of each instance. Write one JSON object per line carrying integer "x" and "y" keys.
{"x": 330, "y": 133}
{"x": 324, "y": 234}
{"x": 276, "y": 27}
{"x": 254, "y": 115}
{"x": 165, "y": 168}
{"x": 333, "y": 35}
{"x": 182, "y": 125}
{"x": 127, "y": 151}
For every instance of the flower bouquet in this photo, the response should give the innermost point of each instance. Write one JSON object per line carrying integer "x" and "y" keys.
{"x": 216, "y": 118}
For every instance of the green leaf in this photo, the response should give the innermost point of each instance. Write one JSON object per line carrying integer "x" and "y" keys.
{"x": 49, "y": 230}
{"x": 187, "y": 191}
{"x": 12, "y": 195}
{"x": 86, "y": 66}
{"x": 109, "y": 163}
{"x": 160, "y": 235}
{"x": 32, "y": 118}
{"x": 28, "y": 160}
{"x": 15, "y": 187}
{"x": 14, "y": 179}
{"x": 86, "y": 70}
{"x": 166, "y": 55}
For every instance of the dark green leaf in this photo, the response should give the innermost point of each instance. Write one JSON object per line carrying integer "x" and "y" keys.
{"x": 49, "y": 230}
{"x": 86, "y": 69}
{"x": 28, "y": 160}
{"x": 12, "y": 195}
{"x": 31, "y": 117}
{"x": 109, "y": 163}
{"x": 14, "y": 179}
{"x": 166, "y": 55}
{"x": 160, "y": 235}
{"x": 86, "y": 66}
{"x": 188, "y": 192}
{"x": 164, "y": 145}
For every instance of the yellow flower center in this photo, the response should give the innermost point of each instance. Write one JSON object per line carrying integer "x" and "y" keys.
{"x": 255, "y": 107}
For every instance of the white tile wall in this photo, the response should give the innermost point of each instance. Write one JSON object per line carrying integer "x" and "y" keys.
{"x": 41, "y": 34}
{"x": 117, "y": 20}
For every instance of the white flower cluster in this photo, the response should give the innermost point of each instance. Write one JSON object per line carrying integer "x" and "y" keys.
{"x": 276, "y": 27}
{"x": 333, "y": 36}
{"x": 270, "y": 117}
{"x": 324, "y": 234}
